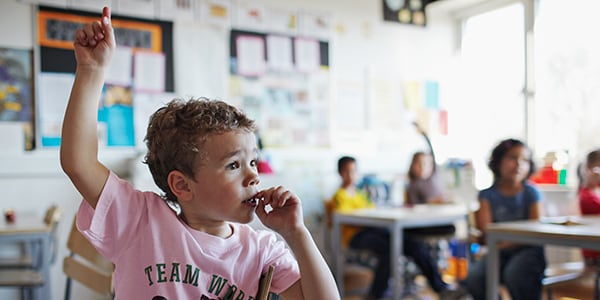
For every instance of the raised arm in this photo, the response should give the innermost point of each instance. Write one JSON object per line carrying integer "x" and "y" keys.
{"x": 286, "y": 219}
{"x": 94, "y": 45}
{"x": 428, "y": 141}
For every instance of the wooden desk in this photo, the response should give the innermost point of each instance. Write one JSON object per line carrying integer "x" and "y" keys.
{"x": 586, "y": 235}
{"x": 31, "y": 230}
{"x": 396, "y": 219}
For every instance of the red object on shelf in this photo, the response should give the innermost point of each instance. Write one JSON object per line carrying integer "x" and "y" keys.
{"x": 9, "y": 216}
{"x": 546, "y": 175}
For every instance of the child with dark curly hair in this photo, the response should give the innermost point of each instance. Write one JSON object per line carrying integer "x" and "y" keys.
{"x": 510, "y": 197}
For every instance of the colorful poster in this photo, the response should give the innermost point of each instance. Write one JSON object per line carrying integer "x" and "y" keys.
{"x": 16, "y": 101}
{"x": 117, "y": 114}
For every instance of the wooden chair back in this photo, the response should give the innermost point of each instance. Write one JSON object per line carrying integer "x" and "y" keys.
{"x": 329, "y": 208}
{"x": 358, "y": 274}
{"x": 52, "y": 216}
{"x": 86, "y": 266}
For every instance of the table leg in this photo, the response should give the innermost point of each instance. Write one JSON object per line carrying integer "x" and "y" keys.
{"x": 396, "y": 252}
{"x": 45, "y": 254}
{"x": 338, "y": 260}
{"x": 493, "y": 267}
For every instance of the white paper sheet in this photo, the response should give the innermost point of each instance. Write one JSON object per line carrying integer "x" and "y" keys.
{"x": 279, "y": 53}
{"x": 138, "y": 8}
{"x": 149, "y": 72}
{"x": 307, "y": 54}
{"x": 175, "y": 9}
{"x": 119, "y": 70}
{"x": 54, "y": 90}
{"x": 250, "y": 55}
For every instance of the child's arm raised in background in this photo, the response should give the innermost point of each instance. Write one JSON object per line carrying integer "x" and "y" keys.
{"x": 94, "y": 45}
{"x": 316, "y": 280}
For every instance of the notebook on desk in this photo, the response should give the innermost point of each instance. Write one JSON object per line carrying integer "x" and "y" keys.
{"x": 563, "y": 220}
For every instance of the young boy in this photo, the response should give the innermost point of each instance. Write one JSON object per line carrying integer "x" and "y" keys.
{"x": 203, "y": 155}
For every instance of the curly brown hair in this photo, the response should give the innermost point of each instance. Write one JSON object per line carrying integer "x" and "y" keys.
{"x": 177, "y": 132}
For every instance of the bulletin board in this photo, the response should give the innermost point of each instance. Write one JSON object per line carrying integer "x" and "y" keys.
{"x": 282, "y": 81}
{"x": 56, "y": 28}
{"x": 142, "y": 64}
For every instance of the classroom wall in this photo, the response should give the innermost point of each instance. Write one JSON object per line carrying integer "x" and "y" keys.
{"x": 361, "y": 47}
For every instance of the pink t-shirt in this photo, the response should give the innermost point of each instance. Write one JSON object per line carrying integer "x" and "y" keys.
{"x": 157, "y": 256}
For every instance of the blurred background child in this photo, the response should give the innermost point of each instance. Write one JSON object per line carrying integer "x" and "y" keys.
{"x": 424, "y": 184}
{"x": 589, "y": 197}
{"x": 511, "y": 197}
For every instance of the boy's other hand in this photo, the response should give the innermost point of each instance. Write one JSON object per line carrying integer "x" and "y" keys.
{"x": 285, "y": 216}
{"x": 95, "y": 42}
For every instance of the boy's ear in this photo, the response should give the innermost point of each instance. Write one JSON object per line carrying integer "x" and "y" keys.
{"x": 178, "y": 183}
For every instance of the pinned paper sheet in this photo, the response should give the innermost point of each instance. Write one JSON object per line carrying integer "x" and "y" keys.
{"x": 432, "y": 95}
{"x": 412, "y": 95}
{"x": 149, "y": 72}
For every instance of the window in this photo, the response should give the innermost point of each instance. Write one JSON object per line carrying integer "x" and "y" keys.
{"x": 567, "y": 74}
{"x": 492, "y": 105}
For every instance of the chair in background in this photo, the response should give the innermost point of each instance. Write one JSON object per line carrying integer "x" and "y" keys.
{"x": 24, "y": 272}
{"x": 358, "y": 270}
{"x": 86, "y": 266}
{"x": 27, "y": 280}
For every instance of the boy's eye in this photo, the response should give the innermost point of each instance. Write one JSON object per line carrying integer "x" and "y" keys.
{"x": 254, "y": 162}
{"x": 233, "y": 165}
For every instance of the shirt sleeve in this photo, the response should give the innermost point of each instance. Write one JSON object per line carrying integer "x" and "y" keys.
{"x": 589, "y": 202}
{"x": 112, "y": 225}
{"x": 286, "y": 271}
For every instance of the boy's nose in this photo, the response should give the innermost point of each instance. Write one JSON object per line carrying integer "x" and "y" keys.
{"x": 254, "y": 179}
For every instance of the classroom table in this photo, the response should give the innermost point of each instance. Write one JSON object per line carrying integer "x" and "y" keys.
{"x": 576, "y": 231}
{"x": 32, "y": 231}
{"x": 395, "y": 219}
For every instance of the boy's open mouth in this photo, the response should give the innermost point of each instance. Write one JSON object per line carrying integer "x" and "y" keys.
{"x": 252, "y": 201}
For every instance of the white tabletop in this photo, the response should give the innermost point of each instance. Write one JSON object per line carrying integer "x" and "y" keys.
{"x": 577, "y": 231}
{"x": 24, "y": 224}
{"x": 396, "y": 219}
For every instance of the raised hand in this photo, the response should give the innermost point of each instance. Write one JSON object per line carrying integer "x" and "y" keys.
{"x": 95, "y": 42}
{"x": 419, "y": 128}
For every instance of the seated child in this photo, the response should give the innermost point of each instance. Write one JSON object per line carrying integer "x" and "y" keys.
{"x": 589, "y": 197}
{"x": 425, "y": 186}
{"x": 510, "y": 197}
